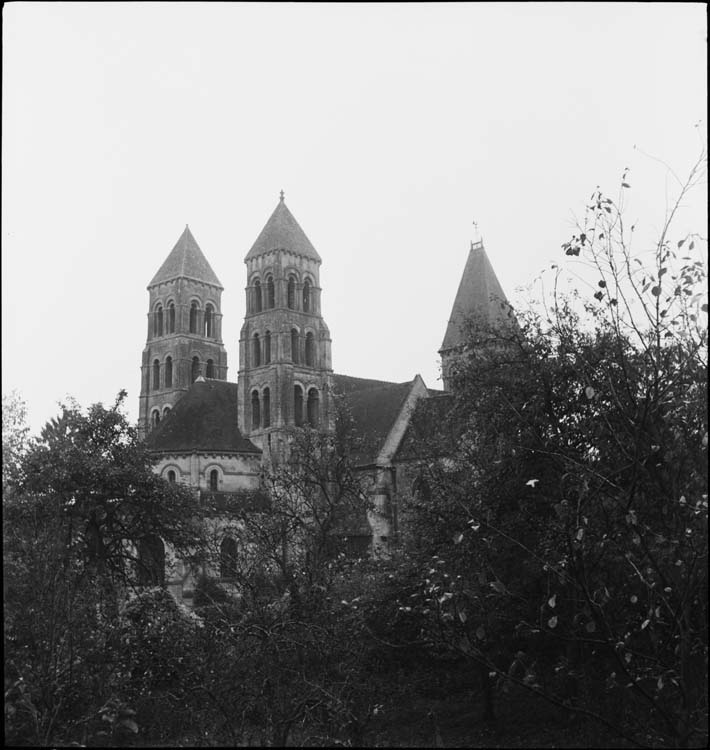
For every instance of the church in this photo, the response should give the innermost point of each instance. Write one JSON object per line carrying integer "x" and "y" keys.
{"x": 215, "y": 435}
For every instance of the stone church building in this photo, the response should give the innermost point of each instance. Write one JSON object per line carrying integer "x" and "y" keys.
{"x": 215, "y": 435}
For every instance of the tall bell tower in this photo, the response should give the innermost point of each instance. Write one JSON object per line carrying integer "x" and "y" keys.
{"x": 285, "y": 366}
{"x": 184, "y": 330}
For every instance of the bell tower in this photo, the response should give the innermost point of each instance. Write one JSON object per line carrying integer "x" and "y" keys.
{"x": 184, "y": 331}
{"x": 285, "y": 366}
{"x": 480, "y": 307}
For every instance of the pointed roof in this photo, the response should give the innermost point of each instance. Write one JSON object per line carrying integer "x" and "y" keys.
{"x": 186, "y": 260}
{"x": 480, "y": 297}
{"x": 282, "y": 231}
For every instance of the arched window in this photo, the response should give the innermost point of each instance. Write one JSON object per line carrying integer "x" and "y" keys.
{"x": 209, "y": 321}
{"x": 297, "y": 405}
{"x": 294, "y": 345}
{"x": 168, "y": 372}
{"x": 210, "y": 368}
{"x": 158, "y": 322}
{"x": 310, "y": 350}
{"x": 171, "y": 317}
{"x": 228, "y": 558}
{"x": 270, "y": 293}
{"x": 312, "y": 407}
{"x": 193, "y": 317}
{"x": 195, "y": 368}
{"x": 291, "y": 293}
{"x": 151, "y": 561}
{"x": 156, "y": 375}
{"x": 214, "y": 480}
{"x": 267, "y": 347}
{"x": 255, "y": 415}
{"x": 307, "y": 296}
{"x": 256, "y": 351}
{"x": 257, "y": 296}
{"x": 155, "y": 418}
{"x": 267, "y": 407}
{"x": 171, "y": 476}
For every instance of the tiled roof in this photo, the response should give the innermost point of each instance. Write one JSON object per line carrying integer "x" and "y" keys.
{"x": 186, "y": 260}
{"x": 282, "y": 231}
{"x": 480, "y": 298}
{"x": 374, "y": 406}
{"x": 204, "y": 419}
{"x": 431, "y": 431}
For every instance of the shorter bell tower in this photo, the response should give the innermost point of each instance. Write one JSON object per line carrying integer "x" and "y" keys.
{"x": 184, "y": 331}
{"x": 480, "y": 307}
{"x": 285, "y": 369}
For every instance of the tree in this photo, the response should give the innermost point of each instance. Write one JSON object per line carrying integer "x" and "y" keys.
{"x": 296, "y": 647}
{"x": 15, "y": 435}
{"x": 567, "y": 550}
{"x": 83, "y": 500}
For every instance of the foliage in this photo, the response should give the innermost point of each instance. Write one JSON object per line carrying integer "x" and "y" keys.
{"x": 297, "y": 651}
{"x": 15, "y": 435}
{"x": 83, "y": 499}
{"x": 567, "y": 528}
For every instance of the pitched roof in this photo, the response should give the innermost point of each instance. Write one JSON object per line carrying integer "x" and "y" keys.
{"x": 186, "y": 260}
{"x": 374, "y": 406}
{"x": 479, "y": 298}
{"x": 432, "y": 430}
{"x": 204, "y": 419}
{"x": 282, "y": 231}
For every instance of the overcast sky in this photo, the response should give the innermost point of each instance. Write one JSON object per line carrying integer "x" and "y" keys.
{"x": 391, "y": 129}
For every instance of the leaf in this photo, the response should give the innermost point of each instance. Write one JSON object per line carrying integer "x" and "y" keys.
{"x": 680, "y": 244}
{"x": 498, "y": 587}
{"x": 480, "y": 632}
{"x": 552, "y": 601}
{"x": 691, "y": 245}
{"x": 580, "y": 534}
{"x": 656, "y": 291}
{"x": 590, "y": 627}
{"x": 598, "y": 295}
{"x": 644, "y": 624}
{"x": 458, "y": 538}
{"x": 625, "y": 184}
{"x": 463, "y": 616}
{"x": 531, "y": 482}
{"x": 552, "y": 622}
{"x": 129, "y": 724}
{"x": 602, "y": 283}
{"x": 589, "y": 392}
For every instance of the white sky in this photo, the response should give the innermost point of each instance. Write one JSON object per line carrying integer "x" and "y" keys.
{"x": 391, "y": 129}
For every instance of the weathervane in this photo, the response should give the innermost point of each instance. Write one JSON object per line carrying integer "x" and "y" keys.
{"x": 476, "y": 234}
{"x": 282, "y": 196}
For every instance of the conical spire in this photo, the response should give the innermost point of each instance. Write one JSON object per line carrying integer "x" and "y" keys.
{"x": 480, "y": 298}
{"x": 282, "y": 231}
{"x": 186, "y": 260}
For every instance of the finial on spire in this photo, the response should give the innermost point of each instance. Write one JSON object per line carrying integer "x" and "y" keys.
{"x": 476, "y": 235}
{"x": 282, "y": 196}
